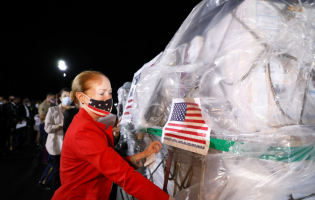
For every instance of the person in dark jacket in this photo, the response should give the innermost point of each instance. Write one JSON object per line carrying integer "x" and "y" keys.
{"x": 4, "y": 136}
{"x": 68, "y": 116}
{"x": 14, "y": 118}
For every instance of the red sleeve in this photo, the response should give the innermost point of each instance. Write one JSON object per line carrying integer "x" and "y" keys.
{"x": 91, "y": 146}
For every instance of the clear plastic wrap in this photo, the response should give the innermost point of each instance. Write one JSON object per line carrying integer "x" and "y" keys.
{"x": 276, "y": 164}
{"x": 186, "y": 169}
{"x": 122, "y": 92}
{"x": 251, "y": 63}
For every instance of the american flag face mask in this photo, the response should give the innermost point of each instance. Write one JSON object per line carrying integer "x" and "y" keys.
{"x": 100, "y": 108}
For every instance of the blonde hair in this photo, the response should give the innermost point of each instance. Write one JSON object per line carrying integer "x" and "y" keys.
{"x": 82, "y": 83}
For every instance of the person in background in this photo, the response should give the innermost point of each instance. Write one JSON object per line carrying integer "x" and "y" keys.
{"x": 11, "y": 98}
{"x": 68, "y": 117}
{"x": 35, "y": 112}
{"x": 3, "y": 128}
{"x": 42, "y": 111}
{"x": 35, "y": 108}
{"x": 25, "y": 114}
{"x": 5, "y": 101}
{"x": 14, "y": 118}
{"x": 57, "y": 100}
{"x": 89, "y": 164}
{"x": 53, "y": 126}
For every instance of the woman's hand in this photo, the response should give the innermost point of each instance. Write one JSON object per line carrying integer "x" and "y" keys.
{"x": 154, "y": 147}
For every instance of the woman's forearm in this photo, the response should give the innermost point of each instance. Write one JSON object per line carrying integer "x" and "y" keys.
{"x": 139, "y": 156}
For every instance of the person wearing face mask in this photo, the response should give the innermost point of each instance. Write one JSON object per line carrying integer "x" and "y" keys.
{"x": 42, "y": 111}
{"x": 89, "y": 164}
{"x": 53, "y": 126}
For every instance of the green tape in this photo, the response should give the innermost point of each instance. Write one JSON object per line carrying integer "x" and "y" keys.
{"x": 154, "y": 131}
{"x": 283, "y": 154}
{"x": 290, "y": 154}
{"x": 222, "y": 145}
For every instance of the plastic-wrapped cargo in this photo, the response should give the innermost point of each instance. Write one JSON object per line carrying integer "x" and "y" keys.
{"x": 251, "y": 63}
{"x": 122, "y": 92}
{"x": 185, "y": 170}
{"x": 274, "y": 164}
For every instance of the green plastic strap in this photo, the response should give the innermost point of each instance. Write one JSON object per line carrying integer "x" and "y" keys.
{"x": 222, "y": 145}
{"x": 289, "y": 154}
{"x": 283, "y": 154}
{"x": 154, "y": 131}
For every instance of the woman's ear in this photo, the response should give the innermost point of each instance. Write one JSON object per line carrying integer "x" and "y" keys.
{"x": 80, "y": 97}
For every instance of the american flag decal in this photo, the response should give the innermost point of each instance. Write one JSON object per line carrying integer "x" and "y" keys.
{"x": 186, "y": 127}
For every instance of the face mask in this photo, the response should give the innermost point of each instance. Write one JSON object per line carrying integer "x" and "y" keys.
{"x": 1, "y": 103}
{"x": 11, "y": 100}
{"x": 36, "y": 105}
{"x": 52, "y": 100}
{"x": 66, "y": 101}
{"x": 100, "y": 108}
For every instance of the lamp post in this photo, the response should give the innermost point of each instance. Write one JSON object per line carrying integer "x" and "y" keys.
{"x": 62, "y": 66}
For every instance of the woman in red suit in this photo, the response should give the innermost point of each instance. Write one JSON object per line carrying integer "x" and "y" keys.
{"x": 89, "y": 164}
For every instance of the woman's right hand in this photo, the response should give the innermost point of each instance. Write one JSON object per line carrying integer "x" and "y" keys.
{"x": 154, "y": 147}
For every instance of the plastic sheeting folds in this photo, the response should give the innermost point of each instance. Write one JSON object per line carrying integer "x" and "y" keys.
{"x": 251, "y": 63}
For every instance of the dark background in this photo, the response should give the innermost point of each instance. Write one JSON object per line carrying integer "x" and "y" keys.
{"x": 115, "y": 37}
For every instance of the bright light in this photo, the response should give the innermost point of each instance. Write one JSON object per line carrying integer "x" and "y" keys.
{"x": 64, "y": 74}
{"x": 62, "y": 65}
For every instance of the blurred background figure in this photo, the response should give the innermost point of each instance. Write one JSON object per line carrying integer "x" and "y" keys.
{"x": 34, "y": 110}
{"x": 5, "y": 101}
{"x": 3, "y": 129}
{"x": 42, "y": 111}
{"x": 54, "y": 128}
{"x": 11, "y": 98}
{"x": 14, "y": 118}
{"x": 27, "y": 116}
{"x": 57, "y": 101}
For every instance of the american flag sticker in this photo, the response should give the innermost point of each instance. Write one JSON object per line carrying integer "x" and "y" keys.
{"x": 186, "y": 128}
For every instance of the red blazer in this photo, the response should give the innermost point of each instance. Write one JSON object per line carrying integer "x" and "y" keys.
{"x": 89, "y": 164}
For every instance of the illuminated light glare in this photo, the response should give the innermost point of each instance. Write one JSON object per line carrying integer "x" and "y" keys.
{"x": 62, "y": 65}
{"x": 64, "y": 74}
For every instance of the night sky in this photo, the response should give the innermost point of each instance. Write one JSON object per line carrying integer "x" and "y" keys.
{"x": 116, "y": 38}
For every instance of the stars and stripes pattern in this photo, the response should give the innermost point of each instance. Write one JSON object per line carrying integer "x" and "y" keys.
{"x": 130, "y": 101}
{"x": 127, "y": 116}
{"x": 128, "y": 107}
{"x": 187, "y": 124}
{"x": 101, "y": 108}
{"x": 137, "y": 78}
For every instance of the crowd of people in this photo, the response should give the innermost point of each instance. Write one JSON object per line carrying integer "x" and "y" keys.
{"x": 79, "y": 151}
{"x": 24, "y": 125}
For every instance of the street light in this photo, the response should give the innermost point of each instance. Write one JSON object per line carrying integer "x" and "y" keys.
{"x": 62, "y": 65}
